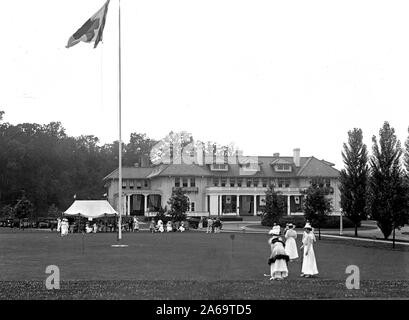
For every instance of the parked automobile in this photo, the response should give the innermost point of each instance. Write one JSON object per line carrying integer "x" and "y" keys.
{"x": 43, "y": 224}
{"x": 194, "y": 222}
{"x": 24, "y": 223}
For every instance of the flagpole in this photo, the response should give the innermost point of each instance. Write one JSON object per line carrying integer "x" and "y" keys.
{"x": 119, "y": 116}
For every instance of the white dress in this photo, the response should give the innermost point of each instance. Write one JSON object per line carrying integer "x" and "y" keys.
{"x": 290, "y": 244}
{"x": 160, "y": 226}
{"x": 309, "y": 264}
{"x": 64, "y": 228}
{"x": 278, "y": 268}
{"x": 169, "y": 227}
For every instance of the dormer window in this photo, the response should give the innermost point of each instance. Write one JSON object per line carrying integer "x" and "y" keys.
{"x": 282, "y": 167}
{"x": 219, "y": 167}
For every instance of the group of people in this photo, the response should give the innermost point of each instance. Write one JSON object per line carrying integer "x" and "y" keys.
{"x": 169, "y": 227}
{"x": 213, "y": 225}
{"x": 284, "y": 251}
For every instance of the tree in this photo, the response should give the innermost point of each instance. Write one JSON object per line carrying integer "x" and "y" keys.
{"x": 179, "y": 204}
{"x": 353, "y": 179}
{"x": 316, "y": 206}
{"x": 23, "y": 208}
{"x": 387, "y": 192}
{"x": 274, "y": 208}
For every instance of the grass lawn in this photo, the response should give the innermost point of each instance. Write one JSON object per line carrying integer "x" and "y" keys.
{"x": 191, "y": 265}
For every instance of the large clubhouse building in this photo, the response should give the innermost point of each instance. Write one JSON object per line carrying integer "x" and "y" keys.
{"x": 222, "y": 188}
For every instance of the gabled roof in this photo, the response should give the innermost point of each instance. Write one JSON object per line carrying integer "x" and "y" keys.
{"x": 130, "y": 173}
{"x": 281, "y": 161}
{"x": 309, "y": 167}
{"x": 317, "y": 168}
{"x": 180, "y": 170}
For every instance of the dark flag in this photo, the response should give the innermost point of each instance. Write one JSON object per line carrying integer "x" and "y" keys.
{"x": 92, "y": 30}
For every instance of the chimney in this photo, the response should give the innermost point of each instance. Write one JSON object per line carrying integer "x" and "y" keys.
{"x": 145, "y": 160}
{"x": 276, "y": 155}
{"x": 296, "y": 157}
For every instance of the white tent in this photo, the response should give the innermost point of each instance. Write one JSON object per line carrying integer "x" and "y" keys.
{"x": 90, "y": 209}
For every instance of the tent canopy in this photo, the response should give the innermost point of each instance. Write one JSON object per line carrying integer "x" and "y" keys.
{"x": 90, "y": 209}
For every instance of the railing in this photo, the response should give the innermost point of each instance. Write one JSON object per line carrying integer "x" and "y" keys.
{"x": 187, "y": 189}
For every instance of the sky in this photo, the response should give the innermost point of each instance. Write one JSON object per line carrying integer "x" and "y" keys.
{"x": 268, "y": 76}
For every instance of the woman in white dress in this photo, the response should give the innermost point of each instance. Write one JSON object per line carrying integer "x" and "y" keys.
{"x": 135, "y": 224}
{"x": 169, "y": 226}
{"x": 160, "y": 226}
{"x": 182, "y": 227}
{"x": 309, "y": 264}
{"x": 278, "y": 258}
{"x": 290, "y": 243}
{"x": 58, "y": 225}
{"x": 64, "y": 227}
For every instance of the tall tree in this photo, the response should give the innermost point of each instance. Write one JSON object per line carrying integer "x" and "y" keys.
{"x": 387, "y": 192}
{"x": 179, "y": 204}
{"x": 353, "y": 179}
{"x": 274, "y": 208}
{"x": 316, "y": 206}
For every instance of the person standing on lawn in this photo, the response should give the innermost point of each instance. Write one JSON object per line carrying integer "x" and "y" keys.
{"x": 309, "y": 264}
{"x": 278, "y": 259}
{"x": 290, "y": 243}
{"x": 200, "y": 226}
{"x": 152, "y": 226}
{"x": 209, "y": 225}
{"x": 135, "y": 224}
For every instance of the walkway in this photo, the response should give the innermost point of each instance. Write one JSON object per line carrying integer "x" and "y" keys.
{"x": 369, "y": 235}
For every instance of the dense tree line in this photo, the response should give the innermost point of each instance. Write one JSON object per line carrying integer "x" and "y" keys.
{"x": 42, "y": 164}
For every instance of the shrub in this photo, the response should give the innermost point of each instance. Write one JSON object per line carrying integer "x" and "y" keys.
{"x": 330, "y": 222}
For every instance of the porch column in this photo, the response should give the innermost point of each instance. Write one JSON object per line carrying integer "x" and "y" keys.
{"x": 238, "y": 205}
{"x": 128, "y": 213}
{"x": 220, "y": 205}
{"x": 254, "y": 205}
{"x": 205, "y": 203}
{"x": 288, "y": 206}
{"x": 145, "y": 204}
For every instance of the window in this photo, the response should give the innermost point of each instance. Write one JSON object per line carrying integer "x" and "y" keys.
{"x": 320, "y": 182}
{"x": 145, "y": 183}
{"x": 184, "y": 182}
{"x": 283, "y": 183}
{"x": 138, "y": 185}
{"x": 223, "y": 184}
{"x": 216, "y": 182}
{"x": 255, "y": 181}
{"x": 177, "y": 182}
{"x": 131, "y": 184}
{"x": 219, "y": 167}
{"x": 123, "y": 184}
{"x": 239, "y": 181}
{"x": 264, "y": 183}
{"x": 232, "y": 182}
{"x": 192, "y": 206}
{"x": 248, "y": 183}
{"x": 192, "y": 182}
{"x": 283, "y": 167}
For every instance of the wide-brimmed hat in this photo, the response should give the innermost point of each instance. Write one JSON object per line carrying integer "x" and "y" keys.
{"x": 308, "y": 226}
{"x": 290, "y": 225}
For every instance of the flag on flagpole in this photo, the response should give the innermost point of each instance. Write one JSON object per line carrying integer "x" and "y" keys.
{"x": 92, "y": 29}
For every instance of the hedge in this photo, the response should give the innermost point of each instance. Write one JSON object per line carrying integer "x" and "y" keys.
{"x": 330, "y": 222}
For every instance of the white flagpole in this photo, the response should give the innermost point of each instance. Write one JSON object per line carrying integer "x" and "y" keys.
{"x": 119, "y": 116}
